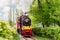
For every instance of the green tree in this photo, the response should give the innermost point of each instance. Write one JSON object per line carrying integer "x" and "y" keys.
{"x": 46, "y": 11}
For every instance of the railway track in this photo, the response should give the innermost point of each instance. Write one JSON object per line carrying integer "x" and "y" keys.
{"x": 26, "y": 38}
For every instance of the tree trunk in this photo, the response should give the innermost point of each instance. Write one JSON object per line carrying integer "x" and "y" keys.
{"x": 39, "y": 4}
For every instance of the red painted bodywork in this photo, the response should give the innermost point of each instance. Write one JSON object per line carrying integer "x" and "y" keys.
{"x": 27, "y": 32}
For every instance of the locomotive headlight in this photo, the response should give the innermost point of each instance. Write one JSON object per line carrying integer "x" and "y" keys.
{"x": 26, "y": 20}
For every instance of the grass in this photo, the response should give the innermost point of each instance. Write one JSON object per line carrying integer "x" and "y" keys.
{"x": 42, "y": 38}
{"x": 16, "y": 37}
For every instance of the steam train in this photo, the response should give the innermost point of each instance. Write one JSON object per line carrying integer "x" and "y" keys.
{"x": 26, "y": 29}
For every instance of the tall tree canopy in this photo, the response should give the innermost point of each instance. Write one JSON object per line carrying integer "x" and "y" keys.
{"x": 46, "y": 12}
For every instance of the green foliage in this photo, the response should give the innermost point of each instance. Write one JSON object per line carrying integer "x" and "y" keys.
{"x": 46, "y": 11}
{"x": 42, "y": 38}
{"x": 7, "y": 32}
{"x": 50, "y": 32}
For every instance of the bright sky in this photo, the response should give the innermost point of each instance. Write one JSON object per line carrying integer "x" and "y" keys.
{"x": 5, "y": 6}
{"x": 25, "y": 4}
{"x": 4, "y": 9}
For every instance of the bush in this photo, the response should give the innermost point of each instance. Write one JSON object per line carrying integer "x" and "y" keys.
{"x": 50, "y": 32}
{"x": 7, "y": 32}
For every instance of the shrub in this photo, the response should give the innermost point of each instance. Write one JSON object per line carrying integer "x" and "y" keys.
{"x": 50, "y": 32}
{"x": 7, "y": 32}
